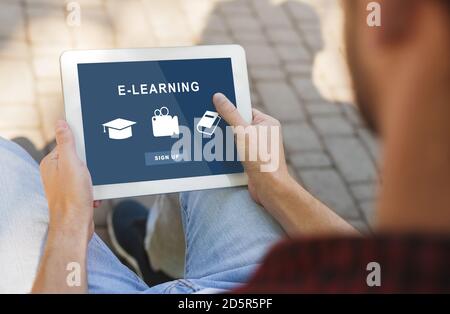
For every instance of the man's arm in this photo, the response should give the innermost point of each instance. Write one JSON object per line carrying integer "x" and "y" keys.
{"x": 63, "y": 265}
{"x": 297, "y": 211}
{"x": 68, "y": 188}
{"x": 300, "y": 213}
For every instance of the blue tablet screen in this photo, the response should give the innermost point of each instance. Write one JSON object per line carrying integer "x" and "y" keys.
{"x": 154, "y": 120}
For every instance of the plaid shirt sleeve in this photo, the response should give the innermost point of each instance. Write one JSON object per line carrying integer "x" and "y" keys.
{"x": 412, "y": 264}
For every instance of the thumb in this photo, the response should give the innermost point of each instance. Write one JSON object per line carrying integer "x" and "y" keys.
{"x": 64, "y": 139}
{"x": 228, "y": 111}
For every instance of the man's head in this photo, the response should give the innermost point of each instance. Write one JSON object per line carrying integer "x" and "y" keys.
{"x": 401, "y": 77}
{"x": 412, "y": 43}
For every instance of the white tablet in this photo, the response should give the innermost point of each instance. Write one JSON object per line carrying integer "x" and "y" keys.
{"x": 144, "y": 121}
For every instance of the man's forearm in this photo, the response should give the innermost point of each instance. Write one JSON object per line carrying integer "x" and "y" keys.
{"x": 299, "y": 213}
{"x": 63, "y": 264}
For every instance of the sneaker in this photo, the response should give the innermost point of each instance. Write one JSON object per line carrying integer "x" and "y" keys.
{"x": 126, "y": 224}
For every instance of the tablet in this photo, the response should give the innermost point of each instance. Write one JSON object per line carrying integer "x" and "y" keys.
{"x": 144, "y": 121}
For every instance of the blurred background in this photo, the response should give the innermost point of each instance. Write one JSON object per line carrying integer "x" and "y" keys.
{"x": 295, "y": 62}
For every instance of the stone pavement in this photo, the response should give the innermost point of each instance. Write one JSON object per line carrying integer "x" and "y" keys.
{"x": 294, "y": 51}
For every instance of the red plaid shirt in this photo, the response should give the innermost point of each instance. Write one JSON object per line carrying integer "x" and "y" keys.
{"x": 407, "y": 264}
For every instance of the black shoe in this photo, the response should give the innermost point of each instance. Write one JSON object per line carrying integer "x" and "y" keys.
{"x": 126, "y": 227}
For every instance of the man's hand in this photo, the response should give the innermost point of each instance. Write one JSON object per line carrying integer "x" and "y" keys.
{"x": 297, "y": 211}
{"x": 68, "y": 188}
{"x": 260, "y": 183}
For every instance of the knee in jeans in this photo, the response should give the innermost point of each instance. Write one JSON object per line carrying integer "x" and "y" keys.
{"x": 209, "y": 200}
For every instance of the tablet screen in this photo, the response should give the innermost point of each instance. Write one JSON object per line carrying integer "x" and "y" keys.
{"x": 154, "y": 120}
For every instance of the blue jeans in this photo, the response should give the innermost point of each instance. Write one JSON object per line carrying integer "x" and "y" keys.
{"x": 226, "y": 233}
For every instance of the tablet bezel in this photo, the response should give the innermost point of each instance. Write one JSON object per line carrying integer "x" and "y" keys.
{"x": 69, "y": 73}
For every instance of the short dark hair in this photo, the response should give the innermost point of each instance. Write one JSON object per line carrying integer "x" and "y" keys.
{"x": 446, "y": 3}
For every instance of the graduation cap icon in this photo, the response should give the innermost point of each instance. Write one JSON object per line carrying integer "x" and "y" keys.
{"x": 118, "y": 129}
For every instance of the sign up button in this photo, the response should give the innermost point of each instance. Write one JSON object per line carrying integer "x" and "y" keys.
{"x": 161, "y": 158}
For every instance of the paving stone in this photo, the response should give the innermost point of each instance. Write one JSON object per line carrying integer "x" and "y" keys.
{"x": 352, "y": 114}
{"x": 253, "y": 90}
{"x": 312, "y": 26}
{"x": 332, "y": 125}
{"x": 306, "y": 89}
{"x": 322, "y": 107}
{"x": 371, "y": 143}
{"x": 361, "y": 226}
{"x": 216, "y": 39}
{"x": 280, "y": 100}
{"x": 368, "y": 209}
{"x": 46, "y": 67}
{"x": 216, "y": 23}
{"x": 261, "y": 55}
{"x": 300, "y": 137}
{"x": 13, "y": 49}
{"x": 327, "y": 186}
{"x": 257, "y": 105}
{"x": 95, "y": 31}
{"x": 12, "y": 21}
{"x": 21, "y": 116}
{"x": 298, "y": 68}
{"x": 136, "y": 34}
{"x": 174, "y": 41}
{"x": 51, "y": 86}
{"x": 250, "y": 37}
{"x": 273, "y": 16}
{"x": 314, "y": 41}
{"x": 286, "y": 36}
{"x": 168, "y": 22}
{"x": 351, "y": 158}
{"x": 91, "y": 3}
{"x": 302, "y": 11}
{"x": 166, "y": 31}
{"x": 364, "y": 191}
{"x": 16, "y": 82}
{"x": 42, "y": 2}
{"x": 49, "y": 49}
{"x": 47, "y": 24}
{"x": 290, "y": 53}
{"x": 309, "y": 160}
{"x": 197, "y": 13}
{"x": 238, "y": 23}
{"x": 51, "y": 108}
{"x": 293, "y": 173}
{"x": 83, "y": 3}
{"x": 267, "y": 73}
{"x": 234, "y": 8}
